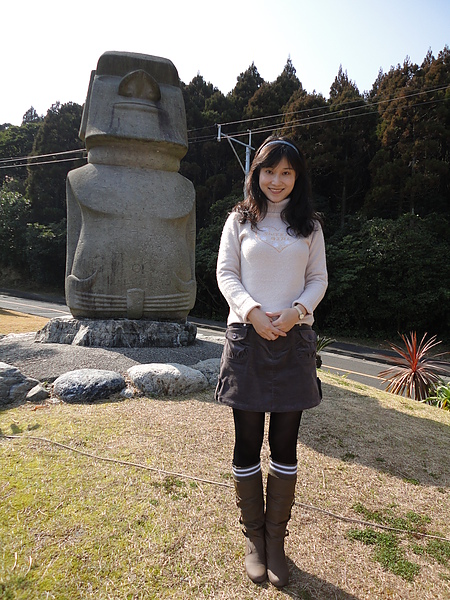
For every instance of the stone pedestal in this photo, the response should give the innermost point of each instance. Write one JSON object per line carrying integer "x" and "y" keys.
{"x": 117, "y": 333}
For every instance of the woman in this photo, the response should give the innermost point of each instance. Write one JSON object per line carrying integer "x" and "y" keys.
{"x": 271, "y": 269}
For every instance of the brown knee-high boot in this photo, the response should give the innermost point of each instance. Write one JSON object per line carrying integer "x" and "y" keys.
{"x": 279, "y": 502}
{"x": 250, "y": 500}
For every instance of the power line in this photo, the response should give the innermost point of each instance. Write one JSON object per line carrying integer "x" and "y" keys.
{"x": 47, "y": 162}
{"x": 3, "y": 160}
{"x": 310, "y": 120}
{"x": 335, "y": 106}
{"x": 362, "y": 105}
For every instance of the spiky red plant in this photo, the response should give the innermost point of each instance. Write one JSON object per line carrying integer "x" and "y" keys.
{"x": 415, "y": 374}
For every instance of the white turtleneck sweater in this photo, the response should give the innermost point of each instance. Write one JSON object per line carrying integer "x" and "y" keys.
{"x": 268, "y": 268}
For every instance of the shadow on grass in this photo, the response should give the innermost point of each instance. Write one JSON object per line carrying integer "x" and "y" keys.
{"x": 357, "y": 428}
{"x": 4, "y": 312}
{"x": 304, "y": 586}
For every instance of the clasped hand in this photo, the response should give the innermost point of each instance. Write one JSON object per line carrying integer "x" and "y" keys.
{"x": 271, "y": 325}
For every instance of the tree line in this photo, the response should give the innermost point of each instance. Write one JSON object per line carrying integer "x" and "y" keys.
{"x": 380, "y": 170}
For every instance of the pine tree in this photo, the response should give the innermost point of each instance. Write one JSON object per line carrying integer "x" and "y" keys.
{"x": 46, "y": 185}
{"x": 411, "y": 171}
{"x": 16, "y": 142}
{"x": 350, "y": 130}
{"x": 31, "y": 116}
{"x": 270, "y": 98}
{"x": 247, "y": 84}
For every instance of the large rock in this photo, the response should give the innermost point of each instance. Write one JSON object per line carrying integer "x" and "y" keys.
{"x": 171, "y": 379}
{"x": 87, "y": 385}
{"x": 210, "y": 369}
{"x": 117, "y": 333}
{"x": 38, "y": 394}
{"x": 13, "y": 385}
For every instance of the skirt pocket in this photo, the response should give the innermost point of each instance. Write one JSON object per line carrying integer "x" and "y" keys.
{"x": 236, "y": 343}
{"x": 306, "y": 343}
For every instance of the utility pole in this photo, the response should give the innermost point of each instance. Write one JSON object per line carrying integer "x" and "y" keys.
{"x": 248, "y": 147}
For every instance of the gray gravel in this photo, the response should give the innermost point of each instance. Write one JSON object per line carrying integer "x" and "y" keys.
{"x": 46, "y": 362}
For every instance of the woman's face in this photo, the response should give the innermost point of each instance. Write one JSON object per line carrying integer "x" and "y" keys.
{"x": 277, "y": 182}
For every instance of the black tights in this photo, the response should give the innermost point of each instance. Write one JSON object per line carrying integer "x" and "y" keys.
{"x": 249, "y": 435}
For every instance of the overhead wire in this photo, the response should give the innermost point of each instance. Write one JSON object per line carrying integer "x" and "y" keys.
{"x": 327, "y": 111}
{"x": 438, "y": 89}
{"x": 2, "y": 160}
{"x": 47, "y": 162}
{"x": 315, "y": 108}
{"x": 361, "y": 105}
{"x": 25, "y": 161}
{"x": 312, "y": 120}
{"x": 363, "y": 108}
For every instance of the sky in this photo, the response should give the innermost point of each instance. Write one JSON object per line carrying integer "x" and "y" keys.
{"x": 48, "y": 49}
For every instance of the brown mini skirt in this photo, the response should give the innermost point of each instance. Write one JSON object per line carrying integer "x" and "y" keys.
{"x": 269, "y": 376}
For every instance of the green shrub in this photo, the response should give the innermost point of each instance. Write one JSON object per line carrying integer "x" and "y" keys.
{"x": 382, "y": 277}
{"x": 14, "y": 213}
{"x": 46, "y": 245}
{"x": 440, "y": 397}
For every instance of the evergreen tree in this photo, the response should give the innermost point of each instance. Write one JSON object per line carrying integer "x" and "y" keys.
{"x": 350, "y": 130}
{"x": 31, "y": 116}
{"x": 205, "y": 163}
{"x": 16, "y": 142}
{"x": 46, "y": 184}
{"x": 247, "y": 84}
{"x": 337, "y": 138}
{"x": 270, "y": 98}
{"x": 14, "y": 215}
{"x": 383, "y": 277}
{"x": 195, "y": 95}
{"x": 411, "y": 170}
{"x": 304, "y": 122}
{"x": 287, "y": 83}
{"x": 219, "y": 109}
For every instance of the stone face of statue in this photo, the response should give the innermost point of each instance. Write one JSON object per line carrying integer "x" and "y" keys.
{"x": 131, "y": 215}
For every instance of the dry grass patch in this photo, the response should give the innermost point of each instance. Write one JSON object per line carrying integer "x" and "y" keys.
{"x": 75, "y": 527}
{"x": 16, "y": 322}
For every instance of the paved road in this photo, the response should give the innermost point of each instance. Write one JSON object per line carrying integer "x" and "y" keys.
{"x": 354, "y": 362}
{"x": 34, "y": 306}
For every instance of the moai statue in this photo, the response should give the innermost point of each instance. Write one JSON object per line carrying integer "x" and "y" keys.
{"x": 131, "y": 215}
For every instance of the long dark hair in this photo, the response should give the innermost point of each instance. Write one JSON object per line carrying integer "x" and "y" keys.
{"x": 299, "y": 214}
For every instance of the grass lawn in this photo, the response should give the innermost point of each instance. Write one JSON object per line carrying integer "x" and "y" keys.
{"x": 73, "y": 526}
{"x": 16, "y": 322}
